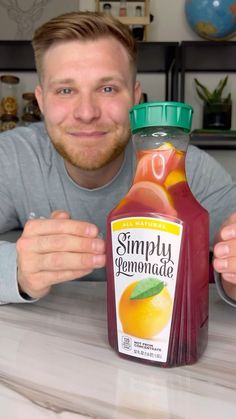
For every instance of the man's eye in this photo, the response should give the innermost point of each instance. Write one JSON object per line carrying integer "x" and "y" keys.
{"x": 65, "y": 91}
{"x": 108, "y": 89}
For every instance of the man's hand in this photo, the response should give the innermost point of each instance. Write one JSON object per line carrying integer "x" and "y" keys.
{"x": 55, "y": 250}
{"x": 225, "y": 255}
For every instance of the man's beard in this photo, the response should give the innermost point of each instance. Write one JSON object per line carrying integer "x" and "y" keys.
{"x": 89, "y": 158}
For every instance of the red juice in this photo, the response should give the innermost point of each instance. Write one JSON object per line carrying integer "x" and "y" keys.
{"x": 157, "y": 270}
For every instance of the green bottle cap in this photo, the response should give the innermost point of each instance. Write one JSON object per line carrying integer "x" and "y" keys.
{"x": 170, "y": 114}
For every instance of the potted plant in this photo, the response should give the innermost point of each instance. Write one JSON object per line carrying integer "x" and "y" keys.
{"x": 217, "y": 109}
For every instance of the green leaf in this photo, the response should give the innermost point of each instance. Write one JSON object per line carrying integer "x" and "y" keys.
{"x": 222, "y": 85}
{"x": 214, "y": 96}
{"x": 228, "y": 99}
{"x": 147, "y": 288}
{"x": 203, "y": 97}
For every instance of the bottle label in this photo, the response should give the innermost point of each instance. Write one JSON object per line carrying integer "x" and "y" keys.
{"x": 146, "y": 253}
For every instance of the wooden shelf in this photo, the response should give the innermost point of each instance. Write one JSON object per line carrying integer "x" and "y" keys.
{"x": 214, "y": 139}
{"x": 131, "y": 20}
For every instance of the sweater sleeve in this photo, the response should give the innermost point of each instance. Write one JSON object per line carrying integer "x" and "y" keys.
{"x": 212, "y": 186}
{"x": 214, "y": 189}
{"x": 9, "y": 292}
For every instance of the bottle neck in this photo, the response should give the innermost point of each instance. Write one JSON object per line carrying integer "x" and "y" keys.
{"x": 152, "y": 138}
{"x": 160, "y": 152}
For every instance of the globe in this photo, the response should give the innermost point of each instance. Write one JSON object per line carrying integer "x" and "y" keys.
{"x": 212, "y": 19}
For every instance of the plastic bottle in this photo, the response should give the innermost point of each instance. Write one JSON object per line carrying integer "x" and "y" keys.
{"x": 123, "y": 8}
{"x": 158, "y": 248}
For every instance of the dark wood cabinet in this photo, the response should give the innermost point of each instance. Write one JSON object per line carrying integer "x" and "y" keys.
{"x": 204, "y": 56}
{"x": 16, "y": 56}
{"x": 153, "y": 57}
{"x": 161, "y": 57}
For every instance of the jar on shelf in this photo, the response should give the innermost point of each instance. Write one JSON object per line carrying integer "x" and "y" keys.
{"x": 123, "y": 8}
{"x": 28, "y": 119}
{"x": 107, "y": 9}
{"x": 8, "y": 122}
{"x": 9, "y": 92}
{"x": 31, "y": 111}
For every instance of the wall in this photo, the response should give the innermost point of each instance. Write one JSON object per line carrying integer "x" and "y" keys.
{"x": 169, "y": 25}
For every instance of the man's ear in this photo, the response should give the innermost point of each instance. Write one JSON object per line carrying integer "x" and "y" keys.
{"x": 137, "y": 92}
{"x": 39, "y": 96}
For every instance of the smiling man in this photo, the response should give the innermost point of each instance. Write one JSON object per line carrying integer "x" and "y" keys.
{"x": 71, "y": 169}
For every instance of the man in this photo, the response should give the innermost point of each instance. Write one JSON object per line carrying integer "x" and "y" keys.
{"x": 69, "y": 172}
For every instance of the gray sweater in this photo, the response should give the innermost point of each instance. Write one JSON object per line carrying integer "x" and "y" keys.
{"x": 34, "y": 181}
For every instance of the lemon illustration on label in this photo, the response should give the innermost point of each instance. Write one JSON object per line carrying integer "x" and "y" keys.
{"x": 145, "y": 308}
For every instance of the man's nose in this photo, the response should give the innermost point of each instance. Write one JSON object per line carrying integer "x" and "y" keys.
{"x": 86, "y": 108}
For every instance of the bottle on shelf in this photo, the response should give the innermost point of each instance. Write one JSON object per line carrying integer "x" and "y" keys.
{"x": 123, "y": 8}
{"x": 138, "y": 30}
{"x": 158, "y": 248}
{"x": 107, "y": 8}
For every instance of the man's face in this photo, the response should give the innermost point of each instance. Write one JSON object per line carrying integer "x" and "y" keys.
{"x": 87, "y": 90}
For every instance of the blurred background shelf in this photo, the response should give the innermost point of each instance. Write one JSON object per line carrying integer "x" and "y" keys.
{"x": 206, "y": 56}
{"x": 153, "y": 57}
{"x": 214, "y": 139}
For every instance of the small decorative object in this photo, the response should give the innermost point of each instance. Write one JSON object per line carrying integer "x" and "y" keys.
{"x": 212, "y": 19}
{"x": 217, "y": 110}
{"x": 31, "y": 111}
{"x": 9, "y": 90}
{"x": 24, "y": 18}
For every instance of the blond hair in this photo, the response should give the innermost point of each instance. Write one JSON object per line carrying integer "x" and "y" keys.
{"x": 81, "y": 26}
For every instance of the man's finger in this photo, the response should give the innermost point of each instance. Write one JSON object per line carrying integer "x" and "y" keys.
{"x": 61, "y": 243}
{"x": 60, "y": 214}
{"x": 59, "y": 226}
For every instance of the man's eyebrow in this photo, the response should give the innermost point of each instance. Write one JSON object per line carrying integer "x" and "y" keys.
{"x": 61, "y": 81}
{"x": 111, "y": 78}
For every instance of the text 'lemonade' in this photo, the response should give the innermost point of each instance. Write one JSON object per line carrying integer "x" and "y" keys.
{"x": 158, "y": 247}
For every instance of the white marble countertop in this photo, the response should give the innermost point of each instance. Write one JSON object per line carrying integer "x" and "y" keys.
{"x": 55, "y": 362}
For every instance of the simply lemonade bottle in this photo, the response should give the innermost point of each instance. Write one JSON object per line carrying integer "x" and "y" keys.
{"x": 158, "y": 247}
